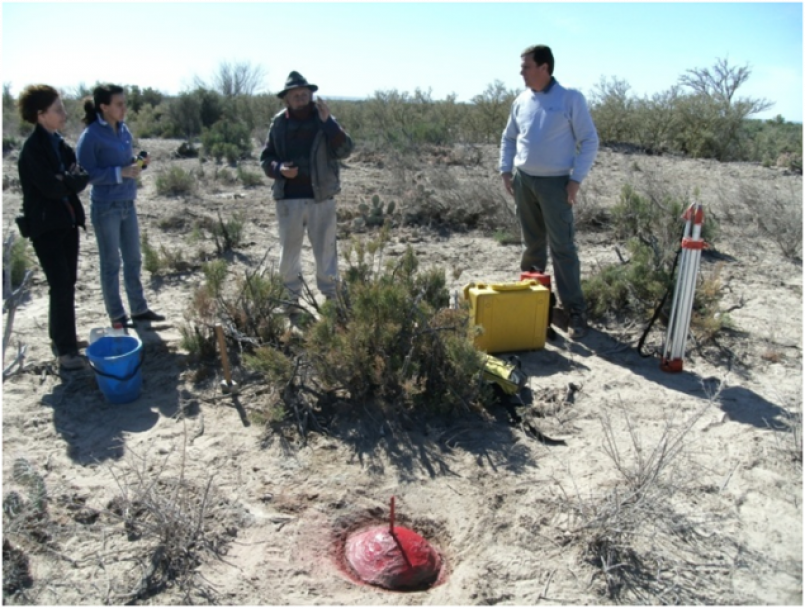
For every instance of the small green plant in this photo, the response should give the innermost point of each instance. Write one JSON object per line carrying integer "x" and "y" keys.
{"x": 228, "y": 234}
{"x": 215, "y": 272}
{"x": 175, "y": 182}
{"x": 631, "y": 288}
{"x": 378, "y": 214}
{"x": 199, "y": 345}
{"x": 151, "y": 259}
{"x": 21, "y": 261}
{"x": 505, "y": 237}
{"x": 157, "y": 261}
{"x": 250, "y": 179}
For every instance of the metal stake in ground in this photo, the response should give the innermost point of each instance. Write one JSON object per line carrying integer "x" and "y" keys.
{"x": 228, "y": 386}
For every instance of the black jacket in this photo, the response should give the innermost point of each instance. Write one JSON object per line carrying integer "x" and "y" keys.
{"x": 43, "y": 193}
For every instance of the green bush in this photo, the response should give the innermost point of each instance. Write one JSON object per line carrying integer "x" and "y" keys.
{"x": 390, "y": 338}
{"x": 175, "y": 182}
{"x": 633, "y": 288}
{"x": 228, "y": 139}
{"x": 249, "y": 179}
{"x": 21, "y": 261}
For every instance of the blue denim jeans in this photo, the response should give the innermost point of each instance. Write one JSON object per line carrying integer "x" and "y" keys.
{"x": 118, "y": 236}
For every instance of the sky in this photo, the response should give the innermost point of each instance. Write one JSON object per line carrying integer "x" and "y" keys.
{"x": 355, "y": 49}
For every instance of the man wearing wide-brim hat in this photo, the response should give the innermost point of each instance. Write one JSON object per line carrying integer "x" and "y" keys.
{"x": 301, "y": 155}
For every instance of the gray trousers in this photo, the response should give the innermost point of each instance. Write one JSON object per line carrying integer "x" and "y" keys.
{"x": 546, "y": 219}
{"x": 294, "y": 216}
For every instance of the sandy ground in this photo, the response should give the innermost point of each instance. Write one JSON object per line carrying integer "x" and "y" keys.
{"x": 516, "y": 520}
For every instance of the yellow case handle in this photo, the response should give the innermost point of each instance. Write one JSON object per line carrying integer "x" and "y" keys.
{"x": 519, "y": 286}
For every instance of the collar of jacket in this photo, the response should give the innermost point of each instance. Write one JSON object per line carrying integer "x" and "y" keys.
{"x": 44, "y": 139}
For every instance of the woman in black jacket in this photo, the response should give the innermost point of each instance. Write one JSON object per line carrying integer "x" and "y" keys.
{"x": 51, "y": 181}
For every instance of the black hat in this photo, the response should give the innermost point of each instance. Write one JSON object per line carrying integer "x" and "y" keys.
{"x": 296, "y": 80}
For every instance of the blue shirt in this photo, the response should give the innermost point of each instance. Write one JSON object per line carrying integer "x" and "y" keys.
{"x": 103, "y": 153}
{"x": 549, "y": 133}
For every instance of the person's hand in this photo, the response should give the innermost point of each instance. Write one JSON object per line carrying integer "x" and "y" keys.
{"x": 572, "y": 191}
{"x": 323, "y": 108}
{"x": 288, "y": 170}
{"x": 130, "y": 172}
{"x": 507, "y": 182}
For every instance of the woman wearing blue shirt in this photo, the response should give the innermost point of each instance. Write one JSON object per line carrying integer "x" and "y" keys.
{"x": 105, "y": 151}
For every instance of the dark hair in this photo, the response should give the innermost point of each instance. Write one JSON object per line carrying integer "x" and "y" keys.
{"x": 101, "y": 95}
{"x": 541, "y": 54}
{"x": 34, "y": 99}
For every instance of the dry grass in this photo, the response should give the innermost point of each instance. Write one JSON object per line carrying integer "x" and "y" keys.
{"x": 170, "y": 522}
{"x": 645, "y": 544}
{"x": 774, "y": 212}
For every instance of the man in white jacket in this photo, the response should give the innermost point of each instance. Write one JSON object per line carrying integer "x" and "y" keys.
{"x": 548, "y": 147}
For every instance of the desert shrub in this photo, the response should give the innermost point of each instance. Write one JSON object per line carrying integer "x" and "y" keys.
{"x": 177, "y": 522}
{"x": 389, "y": 337}
{"x": 26, "y": 514}
{"x": 778, "y": 214}
{"x": 21, "y": 260}
{"x": 701, "y": 116}
{"x": 485, "y": 119}
{"x": 654, "y": 218}
{"x": 436, "y": 197}
{"x": 175, "y": 182}
{"x": 630, "y": 288}
{"x": 612, "y": 110}
{"x": 249, "y": 179}
{"x": 653, "y": 229}
{"x": 215, "y": 273}
{"x": 137, "y": 98}
{"x": 151, "y": 260}
{"x": 150, "y": 121}
{"x": 228, "y": 235}
{"x": 230, "y": 139}
{"x": 633, "y": 533}
{"x": 157, "y": 261}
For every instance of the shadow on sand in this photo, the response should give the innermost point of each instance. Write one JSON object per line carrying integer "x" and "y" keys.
{"x": 96, "y": 430}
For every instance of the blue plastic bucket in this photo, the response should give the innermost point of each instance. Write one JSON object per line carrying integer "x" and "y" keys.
{"x": 116, "y": 361}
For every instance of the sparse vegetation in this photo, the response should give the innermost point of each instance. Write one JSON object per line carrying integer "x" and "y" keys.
{"x": 173, "y": 525}
{"x": 652, "y": 229}
{"x": 777, "y": 214}
{"x": 250, "y": 179}
{"x": 175, "y": 182}
{"x": 638, "y": 538}
{"x": 14, "y": 290}
{"x": 21, "y": 261}
{"x": 157, "y": 261}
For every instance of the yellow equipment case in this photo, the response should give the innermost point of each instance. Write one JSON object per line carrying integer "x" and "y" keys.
{"x": 514, "y": 316}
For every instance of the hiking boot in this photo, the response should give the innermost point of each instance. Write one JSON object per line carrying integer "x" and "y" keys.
{"x": 71, "y": 362}
{"x": 577, "y": 328}
{"x": 148, "y": 315}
